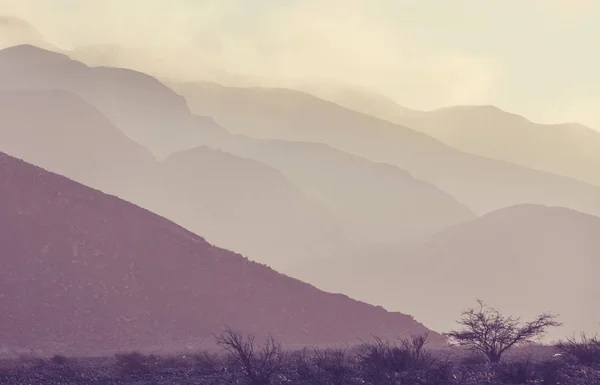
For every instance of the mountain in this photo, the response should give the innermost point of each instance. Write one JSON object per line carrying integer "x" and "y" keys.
{"x": 359, "y": 99}
{"x": 243, "y": 204}
{"x": 482, "y": 184}
{"x": 15, "y": 31}
{"x": 524, "y": 260}
{"x": 60, "y": 131}
{"x": 568, "y": 149}
{"x": 379, "y": 203}
{"x": 88, "y": 273}
{"x": 138, "y": 104}
{"x": 375, "y": 202}
{"x": 572, "y": 150}
{"x": 166, "y": 66}
{"x": 209, "y": 192}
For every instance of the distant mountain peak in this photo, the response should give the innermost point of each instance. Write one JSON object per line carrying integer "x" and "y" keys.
{"x": 28, "y": 52}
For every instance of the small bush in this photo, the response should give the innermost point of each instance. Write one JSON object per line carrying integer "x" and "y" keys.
{"x": 585, "y": 351}
{"x": 206, "y": 363}
{"x": 333, "y": 367}
{"x": 135, "y": 363}
{"x": 551, "y": 372}
{"x": 302, "y": 368}
{"x": 516, "y": 372}
{"x": 59, "y": 360}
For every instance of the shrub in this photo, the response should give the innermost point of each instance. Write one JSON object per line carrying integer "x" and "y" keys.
{"x": 59, "y": 360}
{"x": 516, "y": 372}
{"x": 333, "y": 367}
{"x": 206, "y": 363}
{"x": 260, "y": 363}
{"x": 135, "y": 363}
{"x": 585, "y": 351}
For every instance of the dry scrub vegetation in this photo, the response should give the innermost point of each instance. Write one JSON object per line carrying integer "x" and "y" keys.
{"x": 245, "y": 361}
{"x": 489, "y": 349}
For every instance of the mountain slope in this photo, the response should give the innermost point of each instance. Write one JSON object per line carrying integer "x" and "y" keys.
{"x": 482, "y": 184}
{"x": 139, "y": 105}
{"x": 243, "y": 204}
{"x": 172, "y": 66}
{"x": 87, "y": 273}
{"x": 216, "y": 194}
{"x": 567, "y": 149}
{"x": 358, "y": 99}
{"x": 380, "y": 203}
{"x": 525, "y": 260}
{"x": 58, "y": 130}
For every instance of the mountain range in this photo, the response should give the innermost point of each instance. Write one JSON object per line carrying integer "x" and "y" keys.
{"x": 568, "y": 149}
{"x": 417, "y": 211}
{"x": 87, "y": 273}
{"x": 126, "y": 98}
{"x": 480, "y": 183}
{"x": 523, "y": 260}
{"x": 213, "y": 193}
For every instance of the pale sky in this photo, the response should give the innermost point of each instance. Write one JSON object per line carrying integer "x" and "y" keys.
{"x": 538, "y": 58}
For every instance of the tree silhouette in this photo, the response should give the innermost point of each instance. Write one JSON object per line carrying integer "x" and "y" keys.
{"x": 487, "y": 331}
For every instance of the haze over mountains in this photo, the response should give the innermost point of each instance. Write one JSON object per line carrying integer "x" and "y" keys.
{"x": 480, "y": 183}
{"x": 400, "y": 206}
{"x": 243, "y": 204}
{"x": 567, "y": 149}
{"x": 394, "y": 214}
{"x": 246, "y": 204}
{"x": 54, "y": 128}
{"x": 421, "y": 212}
{"x": 525, "y": 259}
{"x": 15, "y": 31}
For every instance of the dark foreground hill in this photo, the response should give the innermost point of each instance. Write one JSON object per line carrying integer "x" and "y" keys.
{"x": 83, "y": 272}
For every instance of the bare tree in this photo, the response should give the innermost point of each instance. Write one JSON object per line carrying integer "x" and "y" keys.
{"x": 259, "y": 363}
{"x": 491, "y": 333}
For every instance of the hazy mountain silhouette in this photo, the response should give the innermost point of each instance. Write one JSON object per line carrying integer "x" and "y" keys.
{"x": 482, "y": 184}
{"x": 376, "y": 202}
{"x": 568, "y": 149}
{"x": 84, "y": 272}
{"x": 61, "y": 132}
{"x": 138, "y": 104}
{"x": 358, "y": 99}
{"x": 213, "y": 193}
{"x": 15, "y": 31}
{"x": 398, "y": 206}
{"x": 525, "y": 260}
{"x": 165, "y": 67}
{"x": 244, "y": 205}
